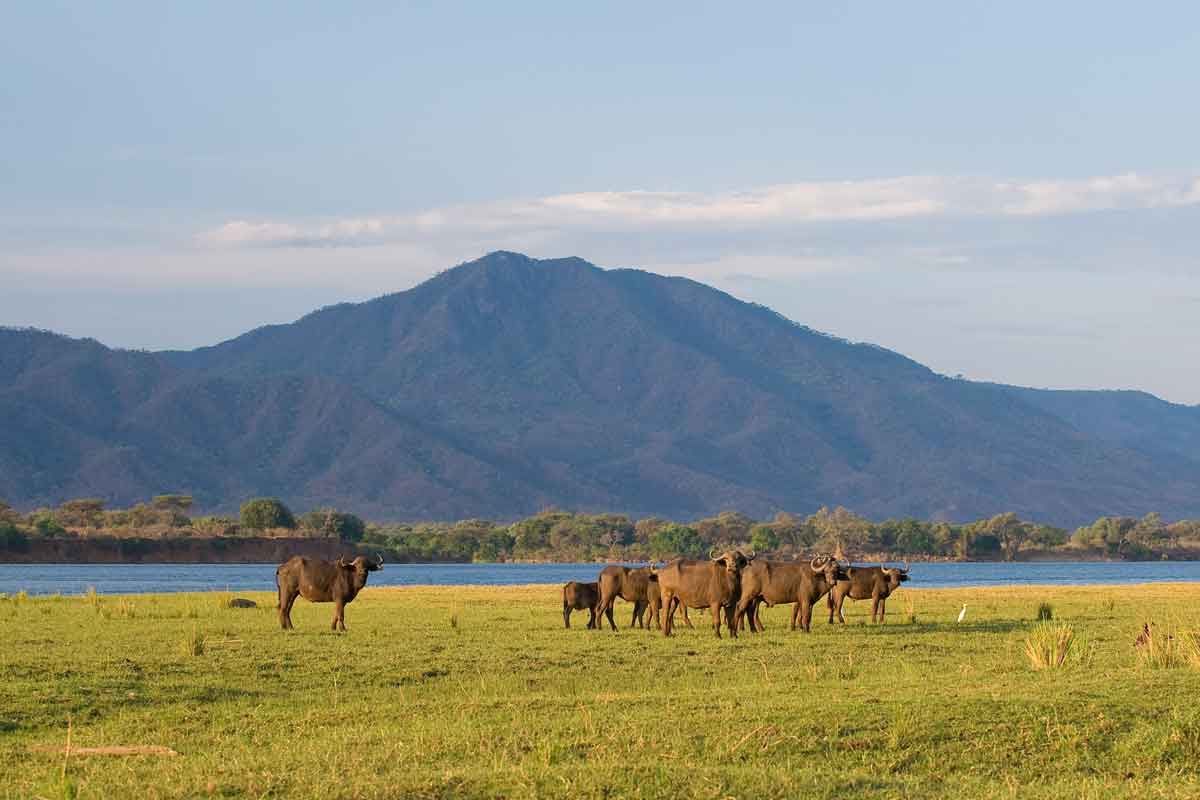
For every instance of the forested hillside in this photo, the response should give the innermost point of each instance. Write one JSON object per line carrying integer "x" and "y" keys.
{"x": 508, "y": 384}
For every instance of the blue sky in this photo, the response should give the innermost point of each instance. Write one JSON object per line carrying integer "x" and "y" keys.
{"x": 1007, "y": 191}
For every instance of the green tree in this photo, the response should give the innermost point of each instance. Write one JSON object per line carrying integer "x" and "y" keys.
{"x": 674, "y": 539}
{"x": 12, "y": 538}
{"x": 331, "y": 522}
{"x": 1010, "y": 531}
{"x": 86, "y": 512}
{"x": 180, "y": 503}
{"x": 839, "y": 530}
{"x": 262, "y": 513}
{"x": 45, "y": 523}
{"x": 763, "y": 539}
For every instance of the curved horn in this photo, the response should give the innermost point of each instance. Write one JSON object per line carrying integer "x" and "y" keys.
{"x": 341, "y": 562}
{"x": 817, "y": 563}
{"x": 752, "y": 555}
{"x": 886, "y": 571}
{"x": 712, "y": 550}
{"x": 905, "y": 565}
{"x": 379, "y": 561}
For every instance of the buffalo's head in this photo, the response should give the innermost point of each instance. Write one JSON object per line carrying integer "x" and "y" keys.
{"x": 733, "y": 560}
{"x": 362, "y": 565}
{"x": 895, "y": 576}
{"x": 828, "y": 567}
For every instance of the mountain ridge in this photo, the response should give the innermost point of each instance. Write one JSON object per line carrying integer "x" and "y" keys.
{"x": 507, "y": 383}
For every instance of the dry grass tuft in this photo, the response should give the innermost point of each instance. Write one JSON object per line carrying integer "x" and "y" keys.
{"x": 1048, "y": 646}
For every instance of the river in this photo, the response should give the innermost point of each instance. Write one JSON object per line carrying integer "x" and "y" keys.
{"x": 139, "y": 578}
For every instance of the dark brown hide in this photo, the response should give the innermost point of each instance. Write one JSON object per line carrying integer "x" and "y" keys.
{"x": 578, "y": 596}
{"x": 876, "y": 583}
{"x": 712, "y": 584}
{"x": 318, "y": 581}
{"x": 631, "y": 584}
{"x": 775, "y": 582}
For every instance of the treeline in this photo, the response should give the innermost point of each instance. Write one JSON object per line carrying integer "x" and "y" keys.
{"x": 555, "y": 535}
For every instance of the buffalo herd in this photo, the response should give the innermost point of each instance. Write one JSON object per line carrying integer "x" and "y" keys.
{"x": 733, "y": 586}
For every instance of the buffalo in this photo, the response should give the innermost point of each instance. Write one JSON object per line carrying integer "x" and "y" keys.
{"x": 714, "y": 584}
{"x": 322, "y": 582}
{"x": 634, "y": 585}
{"x": 773, "y": 582}
{"x": 877, "y": 583}
{"x": 654, "y": 607}
{"x": 578, "y": 596}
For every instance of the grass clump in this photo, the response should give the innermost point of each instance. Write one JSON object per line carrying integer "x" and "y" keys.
{"x": 1167, "y": 647}
{"x": 195, "y": 643}
{"x": 1047, "y": 646}
{"x": 1045, "y": 612}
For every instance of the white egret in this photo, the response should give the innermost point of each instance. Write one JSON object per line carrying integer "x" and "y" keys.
{"x": 962, "y": 614}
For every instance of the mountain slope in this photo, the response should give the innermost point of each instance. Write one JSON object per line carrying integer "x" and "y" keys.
{"x": 507, "y": 383}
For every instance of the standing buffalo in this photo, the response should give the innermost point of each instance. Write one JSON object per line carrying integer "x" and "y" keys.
{"x": 578, "y": 596}
{"x": 714, "y": 584}
{"x": 876, "y": 583}
{"x": 634, "y": 585}
{"x": 321, "y": 582}
{"x": 774, "y": 582}
{"x": 654, "y": 606}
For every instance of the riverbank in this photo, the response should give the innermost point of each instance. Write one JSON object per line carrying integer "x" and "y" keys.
{"x": 479, "y": 692}
{"x": 276, "y": 549}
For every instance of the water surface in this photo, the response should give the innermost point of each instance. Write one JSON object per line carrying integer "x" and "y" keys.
{"x": 137, "y": 578}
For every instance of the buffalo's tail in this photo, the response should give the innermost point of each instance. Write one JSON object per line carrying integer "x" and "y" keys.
{"x": 277, "y": 586}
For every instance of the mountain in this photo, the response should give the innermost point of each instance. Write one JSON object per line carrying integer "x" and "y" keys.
{"x": 508, "y": 384}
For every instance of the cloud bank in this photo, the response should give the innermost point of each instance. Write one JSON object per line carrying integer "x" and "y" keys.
{"x": 770, "y": 207}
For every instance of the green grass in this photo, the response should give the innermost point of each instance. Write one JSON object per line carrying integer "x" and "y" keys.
{"x": 464, "y": 692}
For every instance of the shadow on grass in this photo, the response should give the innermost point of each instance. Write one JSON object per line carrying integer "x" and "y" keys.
{"x": 906, "y": 629}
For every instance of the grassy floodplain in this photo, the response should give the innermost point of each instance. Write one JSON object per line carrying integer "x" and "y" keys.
{"x": 478, "y": 691}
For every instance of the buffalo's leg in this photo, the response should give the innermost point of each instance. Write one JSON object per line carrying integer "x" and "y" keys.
{"x": 591, "y": 617}
{"x": 829, "y": 602}
{"x": 795, "y": 615}
{"x": 686, "y": 620}
{"x": 639, "y": 612}
{"x": 739, "y": 617}
{"x": 669, "y": 603}
{"x": 566, "y": 615}
{"x": 874, "y": 608}
{"x": 285, "y": 612}
{"x": 882, "y": 608}
{"x": 608, "y": 612}
{"x": 715, "y": 608}
{"x": 338, "y": 610}
{"x": 837, "y": 609}
{"x": 756, "y": 618}
{"x": 733, "y": 631}
{"x": 805, "y": 615}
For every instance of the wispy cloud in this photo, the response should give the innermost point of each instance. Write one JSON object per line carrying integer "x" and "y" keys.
{"x": 765, "y": 207}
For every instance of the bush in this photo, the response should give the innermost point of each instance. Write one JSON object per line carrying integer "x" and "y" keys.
{"x": 262, "y": 513}
{"x": 1045, "y": 612}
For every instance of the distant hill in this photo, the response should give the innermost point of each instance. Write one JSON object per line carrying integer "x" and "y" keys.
{"x": 508, "y": 384}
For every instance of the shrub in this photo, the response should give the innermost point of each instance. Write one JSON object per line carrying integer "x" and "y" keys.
{"x": 1045, "y": 612}
{"x": 266, "y": 512}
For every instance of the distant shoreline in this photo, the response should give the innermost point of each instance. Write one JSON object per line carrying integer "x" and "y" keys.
{"x": 275, "y": 550}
